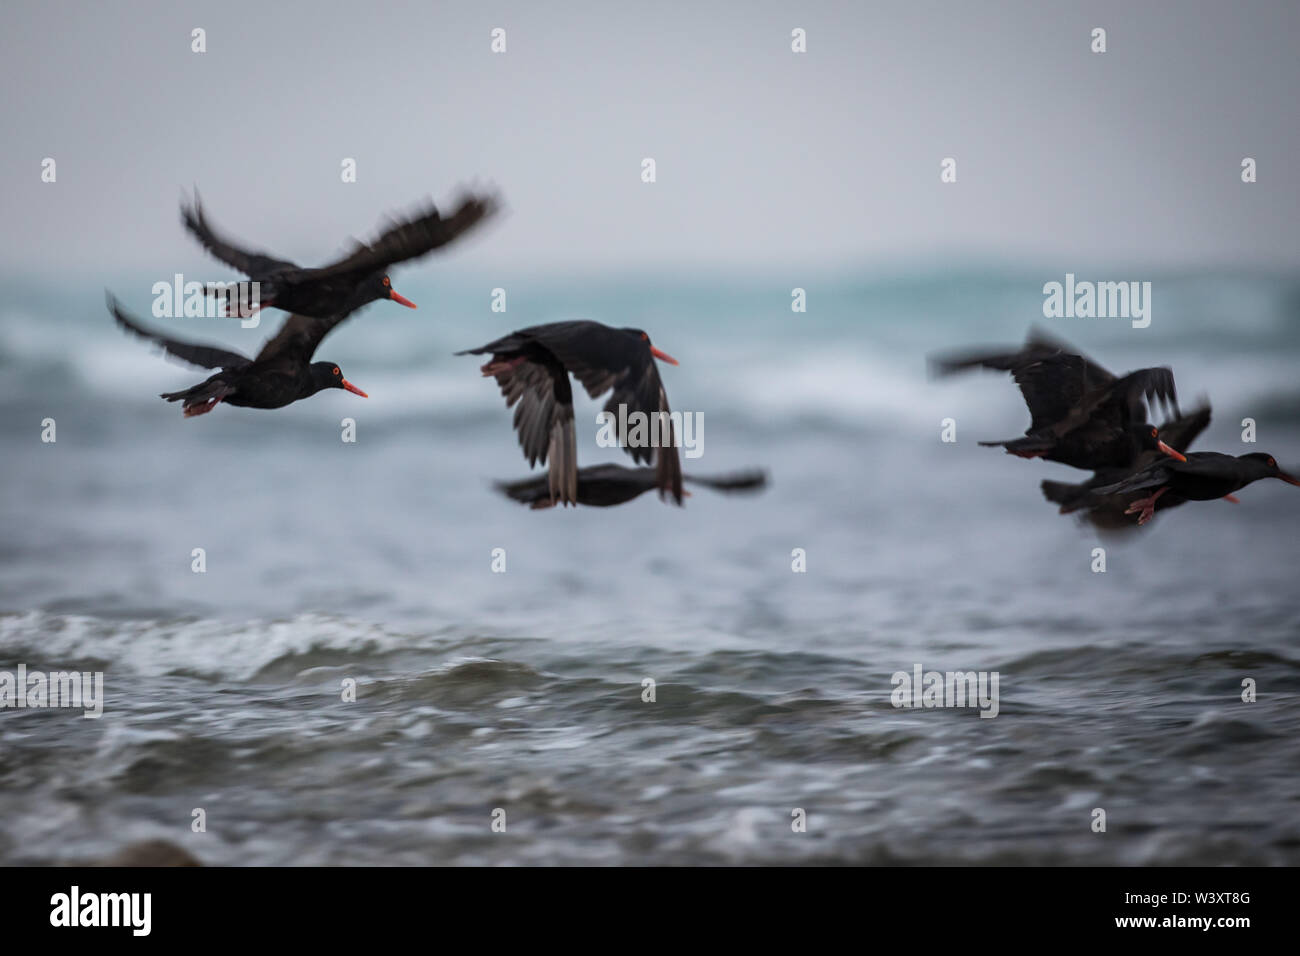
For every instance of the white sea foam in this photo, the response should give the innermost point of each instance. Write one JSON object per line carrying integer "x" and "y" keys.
{"x": 213, "y": 648}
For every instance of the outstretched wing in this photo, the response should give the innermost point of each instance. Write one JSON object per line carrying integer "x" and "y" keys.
{"x": 1119, "y": 402}
{"x": 597, "y": 485}
{"x": 255, "y": 265}
{"x": 1184, "y": 430}
{"x": 300, "y": 336}
{"x": 204, "y": 356}
{"x": 1052, "y": 377}
{"x": 751, "y": 479}
{"x": 409, "y": 238}
{"x": 601, "y": 359}
{"x": 536, "y": 385}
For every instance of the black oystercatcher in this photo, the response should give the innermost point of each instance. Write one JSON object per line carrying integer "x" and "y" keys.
{"x": 1107, "y": 512}
{"x": 351, "y": 282}
{"x": 282, "y": 372}
{"x": 531, "y": 366}
{"x": 604, "y": 485}
{"x": 1080, "y": 413}
{"x": 1204, "y": 476}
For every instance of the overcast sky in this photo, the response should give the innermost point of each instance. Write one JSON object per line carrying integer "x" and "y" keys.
{"x": 764, "y": 157}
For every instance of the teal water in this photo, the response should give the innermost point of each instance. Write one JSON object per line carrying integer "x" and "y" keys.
{"x": 523, "y": 690}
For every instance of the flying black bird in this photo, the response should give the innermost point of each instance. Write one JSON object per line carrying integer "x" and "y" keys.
{"x": 1204, "y": 476}
{"x": 604, "y": 485}
{"x": 532, "y": 368}
{"x": 282, "y": 372}
{"x": 349, "y": 283}
{"x": 1080, "y": 413}
{"x": 1107, "y": 512}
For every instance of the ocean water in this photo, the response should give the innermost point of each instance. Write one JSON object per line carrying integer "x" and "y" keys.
{"x": 521, "y": 691}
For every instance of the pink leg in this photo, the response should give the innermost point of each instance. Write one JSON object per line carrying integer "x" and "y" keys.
{"x": 202, "y": 408}
{"x": 1147, "y": 506}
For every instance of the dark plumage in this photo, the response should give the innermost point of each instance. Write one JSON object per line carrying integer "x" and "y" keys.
{"x": 1107, "y": 512}
{"x": 281, "y": 373}
{"x": 1080, "y": 413}
{"x": 602, "y": 486}
{"x": 1204, "y": 476}
{"x": 532, "y": 368}
{"x": 348, "y": 283}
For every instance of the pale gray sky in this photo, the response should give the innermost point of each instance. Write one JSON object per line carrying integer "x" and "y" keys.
{"x": 765, "y": 158}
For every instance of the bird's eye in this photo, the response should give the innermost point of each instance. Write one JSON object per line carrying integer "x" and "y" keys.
{"x": 1272, "y": 463}
{"x": 645, "y": 337}
{"x": 336, "y": 370}
{"x": 386, "y": 281}
{"x": 1153, "y": 433}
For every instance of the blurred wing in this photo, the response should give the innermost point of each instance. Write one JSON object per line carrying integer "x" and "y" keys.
{"x": 252, "y": 264}
{"x": 204, "y": 356}
{"x": 1151, "y": 476}
{"x": 598, "y": 485}
{"x": 1042, "y": 339}
{"x": 1207, "y": 463}
{"x": 1183, "y": 431}
{"x": 668, "y": 462}
{"x": 1052, "y": 381}
{"x": 601, "y": 359}
{"x": 748, "y": 480}
{"x": 1120, "y": 401}
{"x": 300, "y": 336}
{"x": 542, "y": 399}
{"x": 411, "y": 238}
{"x": 1052, "y": 387}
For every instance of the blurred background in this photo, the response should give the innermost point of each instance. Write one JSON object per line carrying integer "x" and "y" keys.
{"x": 522, "y": 690}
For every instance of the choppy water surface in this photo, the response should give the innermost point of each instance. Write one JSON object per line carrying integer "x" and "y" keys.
{"x": 476, "y": 690}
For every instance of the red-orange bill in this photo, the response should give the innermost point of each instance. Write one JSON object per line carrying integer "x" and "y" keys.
{"x": 662, "y": 356}
{"x": 400, "y": 299}
{"x": 353, "y": 389}
{"x": 1289, "y": 479}
{"x": 1171, "y": 452}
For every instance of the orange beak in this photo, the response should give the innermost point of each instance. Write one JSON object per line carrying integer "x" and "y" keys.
{"x": 1171, "y": 452}
{"x": 662, "y": 356}
{"x": 400, "y": 299}
{"x": 1289, "y": 479}
{"x": 353, "y": 389}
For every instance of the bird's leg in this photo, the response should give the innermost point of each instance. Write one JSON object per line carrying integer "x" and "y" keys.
{"x": 1146, "y": 505}
{"x": 202, "y": 408}
{"x": 1233, "y": 498}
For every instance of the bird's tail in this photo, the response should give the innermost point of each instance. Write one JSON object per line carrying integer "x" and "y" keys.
{"x": 200, "y": 399}
{"x": 1070, "y": 497}
{"x": 1029, "y": 446}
